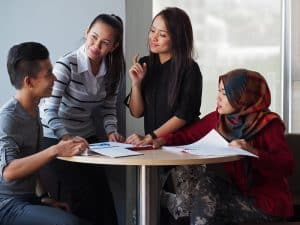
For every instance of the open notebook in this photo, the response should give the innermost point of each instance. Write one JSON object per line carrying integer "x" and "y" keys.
{"x": 212, "y": 144}
{"x": 113, "y": 149}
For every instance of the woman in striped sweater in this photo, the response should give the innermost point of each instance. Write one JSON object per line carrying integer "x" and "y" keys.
{"x": 86, "y": 79}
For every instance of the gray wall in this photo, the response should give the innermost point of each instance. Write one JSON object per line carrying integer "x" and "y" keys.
{"x": 59, "y": 25}
{"x": 138, "y": 18}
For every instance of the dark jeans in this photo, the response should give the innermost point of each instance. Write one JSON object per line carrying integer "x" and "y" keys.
{"x": 85, "y": 188}
{"x": 29, "y": 211}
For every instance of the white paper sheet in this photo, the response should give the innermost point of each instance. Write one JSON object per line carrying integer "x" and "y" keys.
{"x": 110, "y": 144}
{"x": 114, "y": 151}
{"x": 211, "y": 144}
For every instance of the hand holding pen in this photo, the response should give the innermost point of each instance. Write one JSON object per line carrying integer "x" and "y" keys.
{"x": 137, "y": 71}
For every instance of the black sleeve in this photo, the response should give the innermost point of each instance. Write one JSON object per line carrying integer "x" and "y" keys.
{"x": 189, "y": 99}
{"x": 127, "y": 99}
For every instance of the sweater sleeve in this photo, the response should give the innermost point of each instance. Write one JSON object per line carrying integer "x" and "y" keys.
{"x": 109, "y": 112}
{"x": 62, "y": 72}
{"x": 194, "y": 131}
{"x": 275, "y": 158}
{"x": 9, "y": 149}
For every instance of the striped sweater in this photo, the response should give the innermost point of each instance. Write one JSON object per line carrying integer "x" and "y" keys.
{"x": 75, "y": 94}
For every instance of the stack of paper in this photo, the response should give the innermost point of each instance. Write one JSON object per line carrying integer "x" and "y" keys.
{"x": 212, "y": 144}
{"x": 113, "y": 149}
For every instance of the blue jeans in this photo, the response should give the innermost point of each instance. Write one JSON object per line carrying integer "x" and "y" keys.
{"x": 29, "y": 211}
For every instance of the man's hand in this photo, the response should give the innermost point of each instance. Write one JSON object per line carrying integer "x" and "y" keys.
{"x": 51, "y": 202}
{"x": 71, "y": 147}
{"x": 66, "y": 137}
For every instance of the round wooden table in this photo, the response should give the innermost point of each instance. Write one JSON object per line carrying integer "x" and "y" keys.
{"x": 145, "y": 162}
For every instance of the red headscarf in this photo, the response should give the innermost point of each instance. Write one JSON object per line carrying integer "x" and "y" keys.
{"x": 248, "y": 92}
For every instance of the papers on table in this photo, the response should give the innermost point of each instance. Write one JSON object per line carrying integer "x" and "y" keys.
{"x": 115, "y": 152}
{"x": 113, "y": 149}
{"x": 212, "y": 144}
{"x": 109, "y": 144}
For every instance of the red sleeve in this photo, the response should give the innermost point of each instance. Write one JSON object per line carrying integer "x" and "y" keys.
{"x": 194, "y": 131}
{"x": 275, "y": 158}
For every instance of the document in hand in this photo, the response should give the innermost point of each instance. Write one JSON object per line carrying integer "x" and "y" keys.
{"x": 113, "y": 149}
{"x": 212, "y": 144}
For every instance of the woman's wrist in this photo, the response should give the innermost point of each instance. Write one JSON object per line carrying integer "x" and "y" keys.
{"x": 159, "y": 142}
{"x": 136, "y": 85}
{"x": 66, "y": 137}
{"x": 153, "y": 135}
{"x": 148, "y": 137}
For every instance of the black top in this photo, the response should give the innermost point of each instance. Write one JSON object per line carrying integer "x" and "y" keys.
{"x": 157, "y": 109}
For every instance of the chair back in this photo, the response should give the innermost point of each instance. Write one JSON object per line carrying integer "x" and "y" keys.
{"x": 293, "y": 141}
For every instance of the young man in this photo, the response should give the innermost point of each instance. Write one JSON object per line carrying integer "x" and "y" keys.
{"x": 30, "y": 72}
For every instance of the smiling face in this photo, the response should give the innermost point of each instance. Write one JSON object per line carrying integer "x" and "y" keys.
{"x": 159, "y": 38}
{"x": 223, "y": 105}
{"x": 100, "y": 41}
{"x": 43, "y": 82}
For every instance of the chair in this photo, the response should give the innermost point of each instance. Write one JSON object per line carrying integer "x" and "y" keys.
{"x": 293, "y": 141}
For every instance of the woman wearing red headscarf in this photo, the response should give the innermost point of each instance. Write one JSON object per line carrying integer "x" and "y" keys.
{"x": 257, "y": 188}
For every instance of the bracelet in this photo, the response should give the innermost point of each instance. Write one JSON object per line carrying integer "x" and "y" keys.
{"x": 153, "y": 135}
{"x": 44, "y": 195}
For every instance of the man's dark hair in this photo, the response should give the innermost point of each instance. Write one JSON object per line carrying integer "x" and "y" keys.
{"x": 23, "y": 60}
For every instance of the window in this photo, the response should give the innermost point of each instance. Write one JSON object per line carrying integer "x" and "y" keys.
{"x": 292, "y": 66}
{"x": 234, "y": 34}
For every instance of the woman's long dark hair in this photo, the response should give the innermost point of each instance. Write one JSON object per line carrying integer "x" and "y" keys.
{"x": 181, "y": 33}
{"x": 115, "y": 61}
